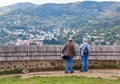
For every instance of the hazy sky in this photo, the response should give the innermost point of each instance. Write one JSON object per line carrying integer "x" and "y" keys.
{"x": 8, "y": 2}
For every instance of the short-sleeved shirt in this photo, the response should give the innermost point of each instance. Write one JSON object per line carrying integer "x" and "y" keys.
{"x": 83, "y": 46}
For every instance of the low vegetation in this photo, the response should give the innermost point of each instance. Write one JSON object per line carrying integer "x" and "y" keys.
{"x": 58, "y": 80}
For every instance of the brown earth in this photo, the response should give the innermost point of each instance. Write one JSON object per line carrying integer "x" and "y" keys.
{"x": 106, "y": 74}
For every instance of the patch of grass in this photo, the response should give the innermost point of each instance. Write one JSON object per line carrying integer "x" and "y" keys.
{"x": 16, "y": 71}
{"x": 11, "y": 71}
{"x": 46, "y": 69}
{"x": 104, "y": 67}
{"x": 58, "y": 80}
{"x": 110, "y": 67}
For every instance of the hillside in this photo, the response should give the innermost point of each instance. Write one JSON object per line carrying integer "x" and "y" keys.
{"x": 98, "y": 21}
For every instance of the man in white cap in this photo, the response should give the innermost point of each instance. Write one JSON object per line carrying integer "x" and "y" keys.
{"x": 84, "y": 50}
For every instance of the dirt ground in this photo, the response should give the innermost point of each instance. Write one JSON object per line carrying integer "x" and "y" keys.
{"x": 106, "y": 74}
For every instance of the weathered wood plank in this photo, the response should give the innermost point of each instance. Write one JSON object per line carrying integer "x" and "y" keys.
{"x": 53, "y": 52}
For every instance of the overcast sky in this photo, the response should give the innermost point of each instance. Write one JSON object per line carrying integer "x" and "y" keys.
{"x": 9, "y": 2}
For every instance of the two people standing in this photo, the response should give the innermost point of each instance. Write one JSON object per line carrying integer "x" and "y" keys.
{"x": 70, "y": 52}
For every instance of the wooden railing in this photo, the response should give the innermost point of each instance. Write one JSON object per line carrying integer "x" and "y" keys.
{"x": 53, "y": 52}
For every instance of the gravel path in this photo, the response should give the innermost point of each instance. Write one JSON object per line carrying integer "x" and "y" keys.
{"x": 106, "y": 74}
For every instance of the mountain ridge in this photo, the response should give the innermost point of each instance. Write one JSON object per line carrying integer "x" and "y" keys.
{"x": 81, "y": 16}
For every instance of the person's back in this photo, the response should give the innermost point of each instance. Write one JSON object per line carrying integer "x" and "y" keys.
{"x": 70, "y": 49}
{"x": 84, "y": 50}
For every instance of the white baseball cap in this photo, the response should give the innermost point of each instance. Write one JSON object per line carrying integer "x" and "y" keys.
{"x": 70, "y": 39}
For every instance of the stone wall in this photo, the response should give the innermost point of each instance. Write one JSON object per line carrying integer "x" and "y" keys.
{"x": 49, "y": 57}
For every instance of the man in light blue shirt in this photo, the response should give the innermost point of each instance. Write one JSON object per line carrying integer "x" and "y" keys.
{"x": 84, "y": 56}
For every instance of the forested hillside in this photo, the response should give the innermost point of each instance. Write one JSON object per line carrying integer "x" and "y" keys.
{"x": 98, "y": 21}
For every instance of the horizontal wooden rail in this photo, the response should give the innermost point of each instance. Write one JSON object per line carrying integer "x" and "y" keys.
{"x": 53, "y": 52}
